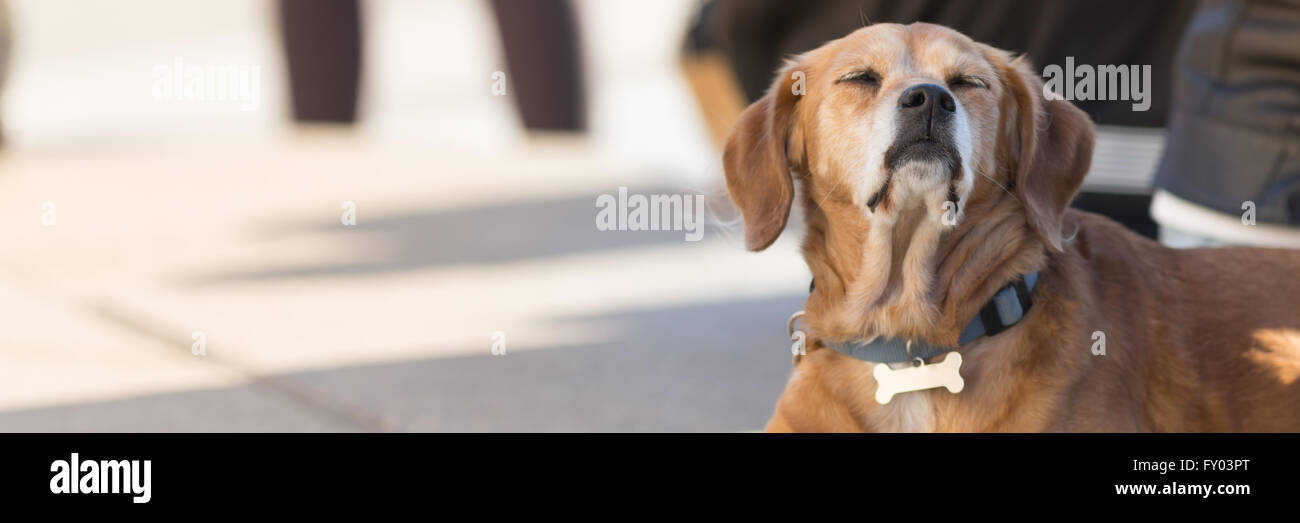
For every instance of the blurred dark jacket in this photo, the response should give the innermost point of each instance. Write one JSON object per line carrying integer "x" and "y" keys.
{"x": 759, "y": 34}
{"x": 1234, "y": 134}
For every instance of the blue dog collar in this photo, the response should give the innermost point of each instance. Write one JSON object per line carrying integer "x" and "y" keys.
{"x": 1008, "y": 306}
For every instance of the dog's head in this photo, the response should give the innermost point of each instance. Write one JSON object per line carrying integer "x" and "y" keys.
{"x": 920, "y": 152}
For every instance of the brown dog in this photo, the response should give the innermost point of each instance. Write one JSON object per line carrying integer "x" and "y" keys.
{"x": 933, "y": 171}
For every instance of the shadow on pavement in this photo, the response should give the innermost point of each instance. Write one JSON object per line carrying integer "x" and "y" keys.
{"x": 478, "y": 235}
{"x": 715, "y": 367}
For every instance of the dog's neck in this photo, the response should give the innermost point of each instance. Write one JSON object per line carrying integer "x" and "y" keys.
{"x": 910, "y": 278}
{"x": 915, "y": 278}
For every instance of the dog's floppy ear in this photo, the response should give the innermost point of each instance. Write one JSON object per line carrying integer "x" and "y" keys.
{"x": 757, "y": 160}
{"x": 1050, "y": 144}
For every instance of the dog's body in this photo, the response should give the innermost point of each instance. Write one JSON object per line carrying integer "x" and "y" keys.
{"x": 1195, "y": 341}
{"x": 920, "y": 206}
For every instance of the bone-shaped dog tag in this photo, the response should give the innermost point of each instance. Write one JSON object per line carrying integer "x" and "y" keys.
{"x": 946, "y": 373}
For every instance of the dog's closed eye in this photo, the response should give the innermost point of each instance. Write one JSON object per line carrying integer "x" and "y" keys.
{"x": 868, "y": 77}
{"x": 967, "y": 82}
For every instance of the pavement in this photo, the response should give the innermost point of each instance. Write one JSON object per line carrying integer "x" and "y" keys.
{"x": 138, "y": 230}
{"x": 308, "y": 324}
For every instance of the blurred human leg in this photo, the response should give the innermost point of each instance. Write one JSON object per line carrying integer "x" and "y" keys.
{"x": 322, "y": 43}
{"x": 543, "y": 55}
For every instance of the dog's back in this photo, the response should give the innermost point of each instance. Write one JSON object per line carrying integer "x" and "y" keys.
{"x": 1218, "y": 324}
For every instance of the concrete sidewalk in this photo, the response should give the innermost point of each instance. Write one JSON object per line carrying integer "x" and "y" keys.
{"x": 311, "y": 325}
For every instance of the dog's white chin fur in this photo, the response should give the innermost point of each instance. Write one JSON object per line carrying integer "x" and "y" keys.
{"x": 923, "y": 186}
{"x": 918, "y": 183}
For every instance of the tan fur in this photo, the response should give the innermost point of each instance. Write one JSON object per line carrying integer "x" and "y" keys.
{"x": 1198, "y": 340}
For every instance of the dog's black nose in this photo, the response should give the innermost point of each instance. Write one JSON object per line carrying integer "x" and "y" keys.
{"x": 924, "y": 97}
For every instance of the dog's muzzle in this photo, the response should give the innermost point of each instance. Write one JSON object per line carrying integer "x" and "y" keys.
{"x": 925, "y": 129}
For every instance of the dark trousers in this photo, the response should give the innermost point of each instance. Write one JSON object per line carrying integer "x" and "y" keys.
{"x": 322, "y": 43}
